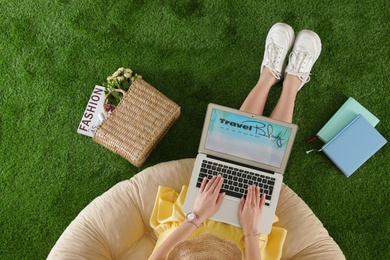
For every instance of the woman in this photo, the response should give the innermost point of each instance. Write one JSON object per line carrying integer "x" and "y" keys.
{"x": 306, "y": 49}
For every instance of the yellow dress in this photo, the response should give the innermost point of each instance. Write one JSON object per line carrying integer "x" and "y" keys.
{"x": 167, "y": 215}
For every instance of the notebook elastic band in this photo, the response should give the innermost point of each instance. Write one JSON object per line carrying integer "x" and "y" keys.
{"x": 314, "y": 150}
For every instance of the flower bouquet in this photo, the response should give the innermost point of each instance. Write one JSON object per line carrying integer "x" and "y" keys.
{"x": 121, "y": 79}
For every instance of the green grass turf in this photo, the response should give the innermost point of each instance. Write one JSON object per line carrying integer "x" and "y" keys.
{"x": 52, "y": 53}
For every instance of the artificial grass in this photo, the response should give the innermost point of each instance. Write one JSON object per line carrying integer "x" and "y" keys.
{"x": 194, "y": 51}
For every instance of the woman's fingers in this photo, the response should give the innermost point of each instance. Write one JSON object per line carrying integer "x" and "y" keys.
{"x": 220, "y": 183}
{"x": 254, "y": 198}
{"x": 214, "y": 184}
{"x": 217, "y": 184}
{"x": 209, "y": 183}
{"x": 203, "y": 185}
{"x": 242, "y": 204}
{"x": 249, "y": 196}
{"x": 257, "y": 196}
{"x": 220, "y": 198}
{"x": 262, "y": 200}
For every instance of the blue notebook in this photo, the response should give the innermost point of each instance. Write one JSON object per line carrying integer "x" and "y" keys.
{"x": 354, "y": 145}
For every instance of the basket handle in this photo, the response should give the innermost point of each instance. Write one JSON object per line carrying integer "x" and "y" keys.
{"x": 109, "y": 94}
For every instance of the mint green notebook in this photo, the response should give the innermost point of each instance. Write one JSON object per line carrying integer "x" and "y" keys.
{"x": 345, "y": 115}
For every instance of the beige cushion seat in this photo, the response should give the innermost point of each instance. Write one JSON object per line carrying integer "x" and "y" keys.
{"x": 115, "y": 225}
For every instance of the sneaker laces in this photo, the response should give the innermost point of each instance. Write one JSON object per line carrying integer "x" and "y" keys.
{"x": 297, "y": 61}
{"x": 273, "y": 54}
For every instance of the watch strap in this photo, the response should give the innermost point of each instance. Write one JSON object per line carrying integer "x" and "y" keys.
{"x": 195, "y": 221}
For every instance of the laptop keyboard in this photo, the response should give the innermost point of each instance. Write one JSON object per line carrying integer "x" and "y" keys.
{"x": 237, "y": 181}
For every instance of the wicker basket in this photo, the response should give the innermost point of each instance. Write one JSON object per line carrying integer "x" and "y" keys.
{"x": 138, "y": 123}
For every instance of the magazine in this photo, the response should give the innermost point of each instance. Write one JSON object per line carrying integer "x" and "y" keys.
{"x": 90, "y": 120}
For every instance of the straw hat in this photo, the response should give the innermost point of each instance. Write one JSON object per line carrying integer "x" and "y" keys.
{"x": 207, "y": 246}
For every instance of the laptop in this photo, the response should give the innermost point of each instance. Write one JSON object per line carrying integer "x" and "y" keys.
{"x": 246, "y": 149}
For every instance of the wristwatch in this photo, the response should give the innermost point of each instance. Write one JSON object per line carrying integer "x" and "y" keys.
{"x": 191, "y": 217}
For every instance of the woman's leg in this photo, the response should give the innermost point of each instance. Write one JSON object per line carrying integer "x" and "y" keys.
{"x": 255, "y": 101}
{"x": 284, "y": 109}
{"x": 306, "y": 50}
{"x": 279, "y": 40}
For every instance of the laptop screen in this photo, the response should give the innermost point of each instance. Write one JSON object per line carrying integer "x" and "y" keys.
{"x": 259, "y": 140}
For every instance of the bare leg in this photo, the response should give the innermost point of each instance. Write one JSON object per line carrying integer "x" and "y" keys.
{"x": 255, "y": 101}
{"x": 284, "y": 109}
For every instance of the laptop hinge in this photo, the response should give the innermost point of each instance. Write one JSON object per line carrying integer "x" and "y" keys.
{"x": 240, "y": 164}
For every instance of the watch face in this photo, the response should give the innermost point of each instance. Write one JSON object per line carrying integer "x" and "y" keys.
{"x": 190, "y": 216}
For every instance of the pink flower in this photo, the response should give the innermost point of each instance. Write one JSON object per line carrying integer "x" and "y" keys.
{"x": 110, "y": 107}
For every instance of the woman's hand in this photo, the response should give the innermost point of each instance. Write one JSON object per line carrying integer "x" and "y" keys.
{"x": 251, "y": 210}
{"x": 208, "y": 199}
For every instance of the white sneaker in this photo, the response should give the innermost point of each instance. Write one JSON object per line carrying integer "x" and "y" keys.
{"x": 306, "y": 50}
{"x": 279, "y": 41}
